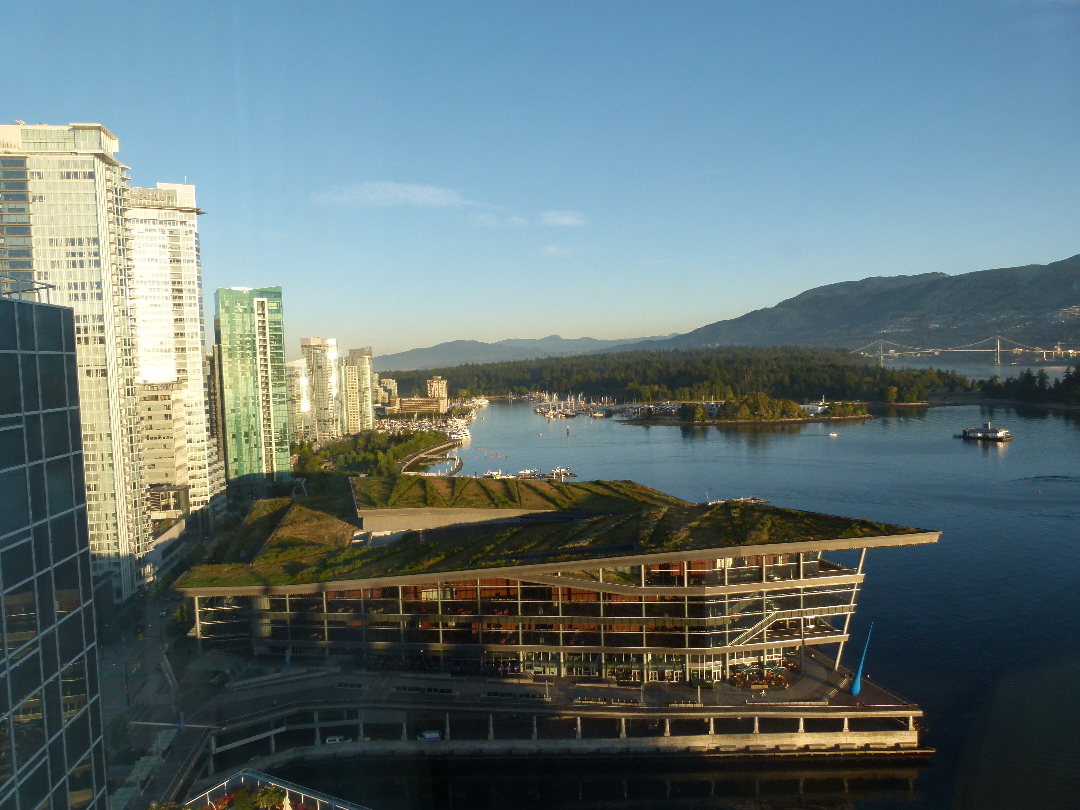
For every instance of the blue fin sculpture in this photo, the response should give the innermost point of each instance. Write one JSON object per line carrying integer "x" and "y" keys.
{"x": 856, "y": 685}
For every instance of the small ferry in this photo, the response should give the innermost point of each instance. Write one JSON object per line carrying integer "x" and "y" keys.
{"x": 986, "y": 433}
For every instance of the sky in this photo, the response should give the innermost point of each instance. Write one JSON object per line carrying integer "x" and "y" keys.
{"x": 411, "y": 173}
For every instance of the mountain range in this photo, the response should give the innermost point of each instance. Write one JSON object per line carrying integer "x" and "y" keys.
{"x": 1036, "y": 305}
{"x": 460, "y": 352}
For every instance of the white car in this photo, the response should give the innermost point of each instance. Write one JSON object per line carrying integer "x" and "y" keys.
{"x": 429, "y": 735}
{"x": 336, "y": 740}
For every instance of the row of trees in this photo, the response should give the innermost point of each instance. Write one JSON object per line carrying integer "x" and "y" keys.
{"x": 784, "y": 372}
{"x": 752, "y": 407}
{"x": 1031, "y": 387}
{"x": 759, "y": 407}
{"x": 369, "y": 452}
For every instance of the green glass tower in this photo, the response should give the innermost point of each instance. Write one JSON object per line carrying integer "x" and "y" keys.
{"x": 250, "y": 334}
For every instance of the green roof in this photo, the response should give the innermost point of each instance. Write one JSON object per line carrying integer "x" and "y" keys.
{"x": 311, "y": 546}
{"x": 445, "y": 492}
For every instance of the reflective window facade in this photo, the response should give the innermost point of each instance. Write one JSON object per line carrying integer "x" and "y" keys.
{"x": 357, "y": 407}
{"x": 642, "y": 619}
{"x": 321, "y": 356}
{"x": 63, "y": 224}
{"x": 51, "y": 751}
{"x": 250, "y": 336}
{"x": 167, "y": 307}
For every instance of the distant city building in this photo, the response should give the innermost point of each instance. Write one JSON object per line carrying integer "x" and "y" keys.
{"x": 167, "y": 307}
{"x": 51, "y": 747}
{"x": 298, "y": 391}
{"x": 358, "y": 406}
{"x": 389, "y": 389}
{"x": 378, "y": 394}
{"x": 163, "y": 445}
{"x": 321, "y": 355}
{"x": 436, "y": 388}
{"x": 215, "y": 419}
{"x": 63, "y": 211}
{"x": 416, "y": 405}
{"x": 249, "y": 332}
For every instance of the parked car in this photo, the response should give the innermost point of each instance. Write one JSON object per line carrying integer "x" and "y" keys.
{"x": 336, "y": 740}
{"x": 429, "y": 735}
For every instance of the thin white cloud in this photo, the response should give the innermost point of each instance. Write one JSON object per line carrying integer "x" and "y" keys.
{"x": 557, "y": 252}
{"x": 562, "y": 219}
{"x": 386, "y": 195}
{"x": 489, "y": 220}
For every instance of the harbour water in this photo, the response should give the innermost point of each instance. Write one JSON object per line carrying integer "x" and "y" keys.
{"x": 981, "y": 629}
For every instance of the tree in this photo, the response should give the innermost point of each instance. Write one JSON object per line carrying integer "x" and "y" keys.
{"x": 270, "y": 797}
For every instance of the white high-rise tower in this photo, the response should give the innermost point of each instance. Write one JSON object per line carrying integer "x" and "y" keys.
{"x": 62, "y": 204}
{"x": 167, "y": 307}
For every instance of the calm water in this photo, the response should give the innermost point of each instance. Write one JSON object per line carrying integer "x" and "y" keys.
{"x": 981, "y": 629}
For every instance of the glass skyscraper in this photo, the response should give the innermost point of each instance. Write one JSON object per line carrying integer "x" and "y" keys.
{"x": 62, "y": 204}
{"x": 297, "y": 388}
{"x": 321, "y": 356}
{"x": 167, "y": 307}
{"x": 357, "y": 403}
{"x": 50, "y": 720}
{"x": 250, "y": 336}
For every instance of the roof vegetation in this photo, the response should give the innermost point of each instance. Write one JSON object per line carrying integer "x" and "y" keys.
{"x": 430, "y": 492}
{"x": 312, "y": 546}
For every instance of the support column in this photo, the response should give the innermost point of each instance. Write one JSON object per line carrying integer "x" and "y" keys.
{"x": 318, "y": 736}
{"x": 757, "y": 728}
{"x": 491, "y": 727}
{"x": 446, "y": 731}
{"x": 911, "y": 722}
{"x": 802, "y": 725}
{"x": 577, "y": 730}
{"x": 534, "y": 727}
{"x": 667, "y": 727}
{"x": 273, "y": 743}
{"x": 846, "y": 728}
{"x": 198, "y": 630}
{"x": 622, "y": 728}
{"x": 404, "y": 731}
{"x": 712, "y": 728}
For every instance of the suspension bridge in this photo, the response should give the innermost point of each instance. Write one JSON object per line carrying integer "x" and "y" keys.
{"x": 882, "y": 349}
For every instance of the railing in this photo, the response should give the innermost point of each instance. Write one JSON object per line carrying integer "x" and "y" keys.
{"x": 293, "y": 792}
{"x": 25, "y": 289}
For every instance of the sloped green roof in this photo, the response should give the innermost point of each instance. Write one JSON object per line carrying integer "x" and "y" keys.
{"x": 310, "y": 546}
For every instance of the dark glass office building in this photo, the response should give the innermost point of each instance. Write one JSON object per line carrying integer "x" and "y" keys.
{"x": 51, "y": 752}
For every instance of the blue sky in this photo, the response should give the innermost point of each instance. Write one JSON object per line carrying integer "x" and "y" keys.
{"x": 413, "y": 173}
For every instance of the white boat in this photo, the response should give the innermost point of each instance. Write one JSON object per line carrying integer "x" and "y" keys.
{"x": 986, "y": 433}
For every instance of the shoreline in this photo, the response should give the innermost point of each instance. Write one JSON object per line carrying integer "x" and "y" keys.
{"x": 667, "y": 422}
{"x": 1005, "y": 403}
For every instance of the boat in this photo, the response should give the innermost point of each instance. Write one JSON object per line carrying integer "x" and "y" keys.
{"x": 834, "y": 435}
{"x": 986, "y": 433}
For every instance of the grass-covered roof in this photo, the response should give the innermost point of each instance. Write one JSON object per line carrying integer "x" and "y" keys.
{"x": 311, "y": 544}
{"x": 445, "y": 492}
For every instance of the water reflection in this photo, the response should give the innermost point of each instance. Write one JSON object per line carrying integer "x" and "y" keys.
{"x": 657, "y": 783}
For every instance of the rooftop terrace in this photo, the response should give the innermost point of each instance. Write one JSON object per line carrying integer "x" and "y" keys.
{"x": 311, "y": 543}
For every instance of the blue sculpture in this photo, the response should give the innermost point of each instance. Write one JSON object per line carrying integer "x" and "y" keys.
{"x": 856, "y": 685}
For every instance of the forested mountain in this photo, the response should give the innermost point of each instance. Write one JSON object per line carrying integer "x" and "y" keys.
{"x": 458, "y": 352}
{"x": 696, "y": 374}
{"x": 1038, "y": 304}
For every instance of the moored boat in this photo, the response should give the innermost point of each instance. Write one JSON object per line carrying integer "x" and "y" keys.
{"x": 986, "y": 433}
